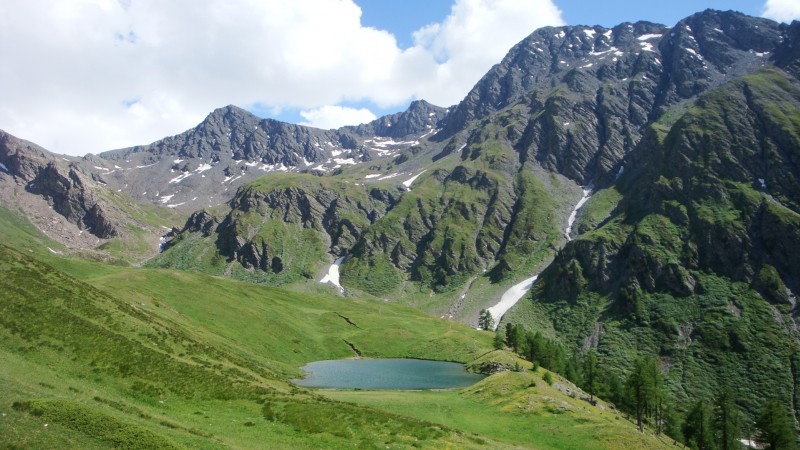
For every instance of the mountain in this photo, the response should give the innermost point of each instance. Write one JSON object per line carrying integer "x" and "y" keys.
{"x": 682, "y": 141}
{"x": 498, "y": 181}
{"x": 74, "y": 207}
{"x": 204, "y": 166}
{"x": 686, "y": 139}
{"x": 699, "y": 258}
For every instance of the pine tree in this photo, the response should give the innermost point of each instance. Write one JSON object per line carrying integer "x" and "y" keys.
{"x": 697, "y": 427}
{"x": 673, "y": 423}
{"x": 775, "y": 428}
{"x": 485, "y": 320}
{"x": 510, "y": 335}
{"x": 645, "y": 390}
{"x": 498, "y": 342}
{"x": 590, "y": 373}
{"x": 727, "y": 421}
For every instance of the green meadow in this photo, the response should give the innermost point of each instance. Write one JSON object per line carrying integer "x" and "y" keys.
{"x": 99, "y": 356}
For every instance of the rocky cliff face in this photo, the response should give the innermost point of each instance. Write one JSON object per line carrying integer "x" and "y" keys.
{"x": 60, "y": 183}
{"x": 285, "y": 226}
{"x": 717, "y": 192}
{"x": 588, "y": 93}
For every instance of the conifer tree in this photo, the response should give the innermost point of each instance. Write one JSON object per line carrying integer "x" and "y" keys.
{"x": 644, "y": 388}
{"x": 727, "y": 421}
{"x": 697, "y": 427}
{"x": 485, "y": 320}
{"x": 775, "y": 428}
{"x": 498, "y": 342}
{"x": 590, "y": 373}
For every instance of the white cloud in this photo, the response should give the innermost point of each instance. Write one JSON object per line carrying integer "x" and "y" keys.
{"x": 328, "y": 117}
{"x": 782, "y": 10}
{"x": 84, "y": 76}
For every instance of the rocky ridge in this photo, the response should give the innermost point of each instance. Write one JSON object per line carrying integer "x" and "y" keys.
{"x": 31, "y": 174}
{"x": 204, "y": 166}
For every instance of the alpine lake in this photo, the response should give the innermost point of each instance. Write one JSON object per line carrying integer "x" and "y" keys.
{"x": 395, "y": 374}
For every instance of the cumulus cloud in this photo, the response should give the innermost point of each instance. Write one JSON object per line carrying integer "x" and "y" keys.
{"x": 84, "y": 76}
{"x": 329, "y": 116}
{"x": 782, "y": 10}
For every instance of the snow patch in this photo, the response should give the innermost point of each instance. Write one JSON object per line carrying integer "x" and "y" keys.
{"x": 4, "y": 168}
{"x": 332, "y": 276}
{"x": 372, "y": 175}
{"x": 762, "y": 183}
{"x": 176, "y": 205}
{"x": 433, "y": 130}
{"x": 589, "y": 33}
{"x": 180, "y": 177}
{"x": 510, "y": 298}
{"x": 379, "y": 142}
{"x": 693, "y": 52}
{"x": 604, "y": 52}
{"x": 647, "y": 37}
{"x": 165, "y": 199}
{"x": 203, "y": 168}
{"x": 409, "y": 181}
{"x": 648, "y": 47}
{"x": 587, "y": 192}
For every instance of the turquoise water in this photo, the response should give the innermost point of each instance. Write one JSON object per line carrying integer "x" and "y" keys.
{"x": 386, "y": 374}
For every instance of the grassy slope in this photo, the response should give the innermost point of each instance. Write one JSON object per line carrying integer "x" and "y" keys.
{"x": 519, "y": 409}
{"x": 110, "y": 356}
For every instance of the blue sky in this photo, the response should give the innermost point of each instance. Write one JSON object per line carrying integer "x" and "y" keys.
{"x": 104, "y": 74}
{"x": 403, "y": 17}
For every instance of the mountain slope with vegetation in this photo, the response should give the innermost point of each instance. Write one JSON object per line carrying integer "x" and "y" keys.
{"x": 698, "y": 262}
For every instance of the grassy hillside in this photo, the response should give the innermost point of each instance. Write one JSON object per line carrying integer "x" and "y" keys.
{"x": 518, "y": 409}
{"x": 98, "y": 356}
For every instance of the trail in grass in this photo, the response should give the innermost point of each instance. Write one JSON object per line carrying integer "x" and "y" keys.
{"x": 516, "y": 292}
